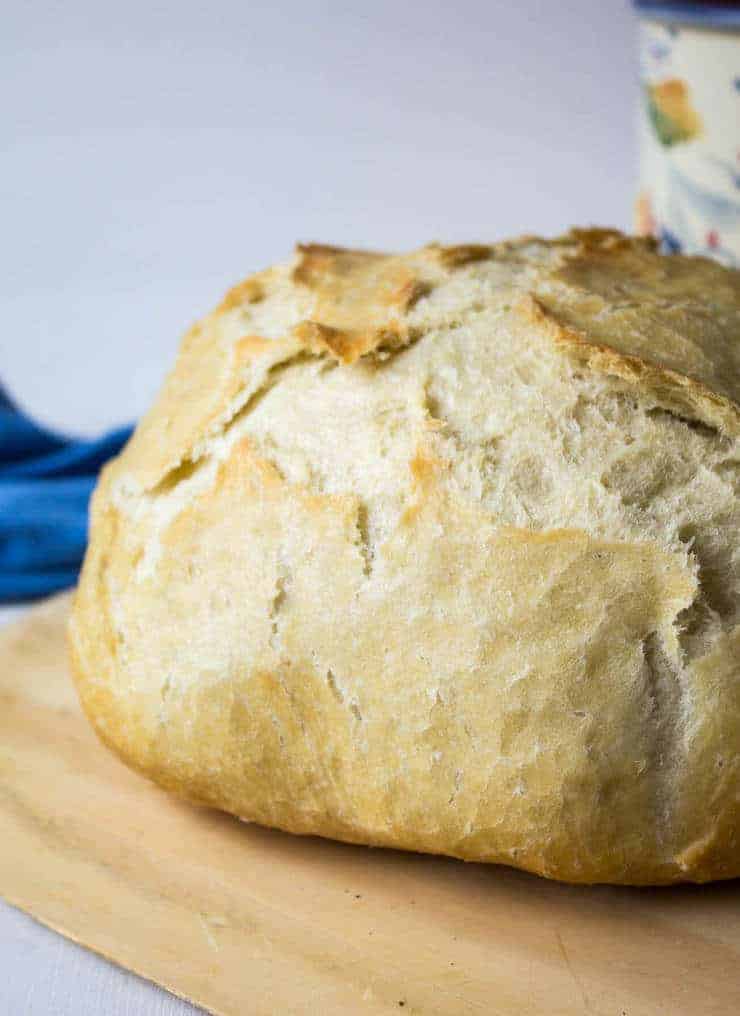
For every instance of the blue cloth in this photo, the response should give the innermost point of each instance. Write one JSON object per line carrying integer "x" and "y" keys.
{"x": 45, "y": 484}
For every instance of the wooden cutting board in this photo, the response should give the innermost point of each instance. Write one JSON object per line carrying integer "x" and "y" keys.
{"x": 243, "y": 920}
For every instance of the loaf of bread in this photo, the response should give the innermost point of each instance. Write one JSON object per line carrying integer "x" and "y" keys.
{"x": 440, "y": 551}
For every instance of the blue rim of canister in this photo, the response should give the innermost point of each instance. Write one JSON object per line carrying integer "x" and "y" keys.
{"x": 715, "y": 14}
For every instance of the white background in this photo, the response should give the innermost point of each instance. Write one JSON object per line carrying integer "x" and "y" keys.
{"x": 152, "y": 154}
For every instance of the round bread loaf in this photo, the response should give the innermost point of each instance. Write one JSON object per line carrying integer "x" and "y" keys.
{"x": 440, "y": 552}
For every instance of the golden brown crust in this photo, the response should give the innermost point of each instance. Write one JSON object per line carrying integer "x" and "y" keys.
{"x": 669, "y": 324}
{"x": 251, "y": 290}
{"x": 409, "y": 553}
{"x": 348, "y": 345}
{"x": 670, "y": 388}
{"x": 361, "y": 298}
{"x": 462, "y": 254}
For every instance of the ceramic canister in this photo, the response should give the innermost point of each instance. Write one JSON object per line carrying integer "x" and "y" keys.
{"x": 690, "y": 127}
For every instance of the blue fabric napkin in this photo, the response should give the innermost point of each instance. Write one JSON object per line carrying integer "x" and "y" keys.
{"x": 45, "y": 484}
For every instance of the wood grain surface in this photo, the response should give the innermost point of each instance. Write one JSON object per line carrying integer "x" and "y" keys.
{"x": 243, "y": 920}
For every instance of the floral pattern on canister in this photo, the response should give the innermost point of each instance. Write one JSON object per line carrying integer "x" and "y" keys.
{"x": 671, "y": 114}
{"x": 690, "y": 138}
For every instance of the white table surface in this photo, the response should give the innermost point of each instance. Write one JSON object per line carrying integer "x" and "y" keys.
{"x": 154, "y": 153}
